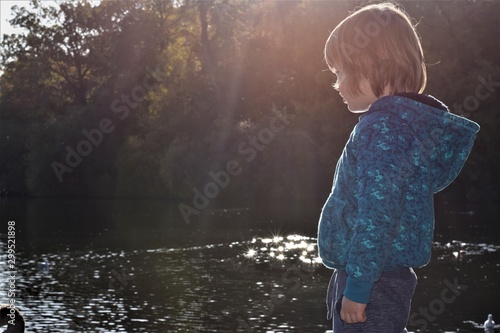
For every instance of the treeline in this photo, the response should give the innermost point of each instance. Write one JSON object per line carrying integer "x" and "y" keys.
{"x": 228, "y": 98}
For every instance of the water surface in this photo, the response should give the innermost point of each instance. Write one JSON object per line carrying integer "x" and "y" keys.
{"x": 135, "y": 266}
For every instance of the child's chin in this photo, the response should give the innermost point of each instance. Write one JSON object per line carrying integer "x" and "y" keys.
{"x": 356, "y": 109}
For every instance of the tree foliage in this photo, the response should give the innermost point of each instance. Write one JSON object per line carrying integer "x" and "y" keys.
{"x": 151, "y": 97}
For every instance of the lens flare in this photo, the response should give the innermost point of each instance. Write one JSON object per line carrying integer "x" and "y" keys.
{"x": 250, "y": 253}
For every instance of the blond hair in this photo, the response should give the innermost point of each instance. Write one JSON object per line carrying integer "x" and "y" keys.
{"x": 378, "y": 43}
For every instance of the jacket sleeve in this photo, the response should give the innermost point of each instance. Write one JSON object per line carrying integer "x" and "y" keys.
{"x": 383, "y": 169}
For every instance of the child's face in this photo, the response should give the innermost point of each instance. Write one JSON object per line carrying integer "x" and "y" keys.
{"x": 355, "y": 103}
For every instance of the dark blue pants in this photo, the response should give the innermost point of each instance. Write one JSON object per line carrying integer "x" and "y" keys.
{"x": 389, "y": 308}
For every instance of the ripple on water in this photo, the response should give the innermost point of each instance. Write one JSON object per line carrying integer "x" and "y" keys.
{"x": 261, "y": 282}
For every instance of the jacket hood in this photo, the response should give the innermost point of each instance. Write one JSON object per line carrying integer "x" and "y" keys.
{"x": 446, "y": 139}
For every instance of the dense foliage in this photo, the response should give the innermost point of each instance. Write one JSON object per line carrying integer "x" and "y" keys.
{"x": 167, "y": 98}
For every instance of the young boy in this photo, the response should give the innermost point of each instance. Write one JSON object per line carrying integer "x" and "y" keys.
{"x": 379, "y": 218}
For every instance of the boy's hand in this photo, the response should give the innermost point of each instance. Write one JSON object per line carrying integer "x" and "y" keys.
{"x": 352, "y": 312}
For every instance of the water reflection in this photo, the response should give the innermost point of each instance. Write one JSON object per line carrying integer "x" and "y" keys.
{"x": 146, "y": 276}
{"x": 260, "y": 283}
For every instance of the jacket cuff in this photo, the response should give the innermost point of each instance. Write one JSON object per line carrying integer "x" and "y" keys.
{"x": 358, "y": 291}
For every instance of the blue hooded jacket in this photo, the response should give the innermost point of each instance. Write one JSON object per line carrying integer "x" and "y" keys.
{"x": 380, "y": 213}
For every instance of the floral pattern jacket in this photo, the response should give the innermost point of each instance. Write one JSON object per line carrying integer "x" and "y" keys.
{"x": 379, "y": 215}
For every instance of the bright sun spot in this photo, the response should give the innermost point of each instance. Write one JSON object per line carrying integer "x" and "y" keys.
{"x": 251, "y": 253}
{"x": 266, "y": 240}
{"x": 277, "y": 247}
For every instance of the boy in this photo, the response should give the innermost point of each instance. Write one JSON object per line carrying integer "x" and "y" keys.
{"x": 378, "y": 221}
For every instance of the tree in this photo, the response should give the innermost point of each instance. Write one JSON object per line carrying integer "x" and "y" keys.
{"x": 184, "y": 83}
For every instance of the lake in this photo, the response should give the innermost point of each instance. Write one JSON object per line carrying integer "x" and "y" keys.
{"x": 136, "y": 266}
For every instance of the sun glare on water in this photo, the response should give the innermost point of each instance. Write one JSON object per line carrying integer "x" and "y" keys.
{"x": 280, "y": 248}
